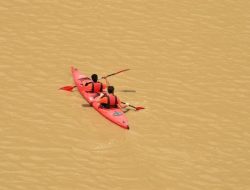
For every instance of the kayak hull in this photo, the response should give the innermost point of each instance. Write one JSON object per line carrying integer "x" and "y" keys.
{"x": 115, "y": 115}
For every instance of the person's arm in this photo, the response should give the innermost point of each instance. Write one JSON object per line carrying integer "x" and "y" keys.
{"x": 121, "y": 105}
{"x": 98, "y": 98}
{"x": 85, "y": 87}
{"x": 104, "y": 87}
{"x": 107, "y": 82}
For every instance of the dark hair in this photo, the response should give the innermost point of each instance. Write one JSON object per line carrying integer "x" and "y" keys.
{"x": 111, "y": 89}
{"x": 94, "y": 77}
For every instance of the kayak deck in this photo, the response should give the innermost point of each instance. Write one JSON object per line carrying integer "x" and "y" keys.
{"x": 115, "y": 115}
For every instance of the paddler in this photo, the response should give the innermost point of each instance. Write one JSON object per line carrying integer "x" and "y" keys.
{"x": 95, "y": 86}
{"x": 109, "y": 100}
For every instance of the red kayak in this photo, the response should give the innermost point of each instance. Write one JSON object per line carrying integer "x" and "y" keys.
{"x": 115, "y": 115}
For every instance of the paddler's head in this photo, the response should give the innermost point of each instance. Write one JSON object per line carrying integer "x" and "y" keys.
{"x": 94, "y": 77}
{"x": 111, "y": 89}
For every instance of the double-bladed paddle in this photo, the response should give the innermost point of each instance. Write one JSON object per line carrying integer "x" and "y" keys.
{"x": 70, "y": 88}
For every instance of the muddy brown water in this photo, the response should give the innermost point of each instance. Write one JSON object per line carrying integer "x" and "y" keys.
{"x": 190, "y": 68}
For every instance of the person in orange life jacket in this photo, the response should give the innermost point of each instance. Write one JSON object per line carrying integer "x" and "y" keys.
{"x": 110, "y": 100}
{"x": 95, "y": 86}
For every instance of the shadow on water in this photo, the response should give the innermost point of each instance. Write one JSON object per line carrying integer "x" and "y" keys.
{"x": 86, "y": 105}
{"x": 127, "y": 90}
{"x": 126, "y": 110}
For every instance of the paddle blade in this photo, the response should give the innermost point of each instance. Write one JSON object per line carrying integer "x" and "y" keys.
{"x": 67, "y": 88}
{"x": 139, "y": 108}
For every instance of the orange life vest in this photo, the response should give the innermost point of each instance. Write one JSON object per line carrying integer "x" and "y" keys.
{"x": 109, "y": 101}
{"x": 95, "y": 86}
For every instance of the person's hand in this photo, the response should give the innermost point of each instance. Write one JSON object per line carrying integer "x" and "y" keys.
{"x": 101, "y": 94}
{"x": 104, "y": 78}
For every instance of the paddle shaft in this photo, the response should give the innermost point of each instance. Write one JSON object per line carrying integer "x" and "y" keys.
{"x": 129, "y": 105}
{"x": 114, "y": 73}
